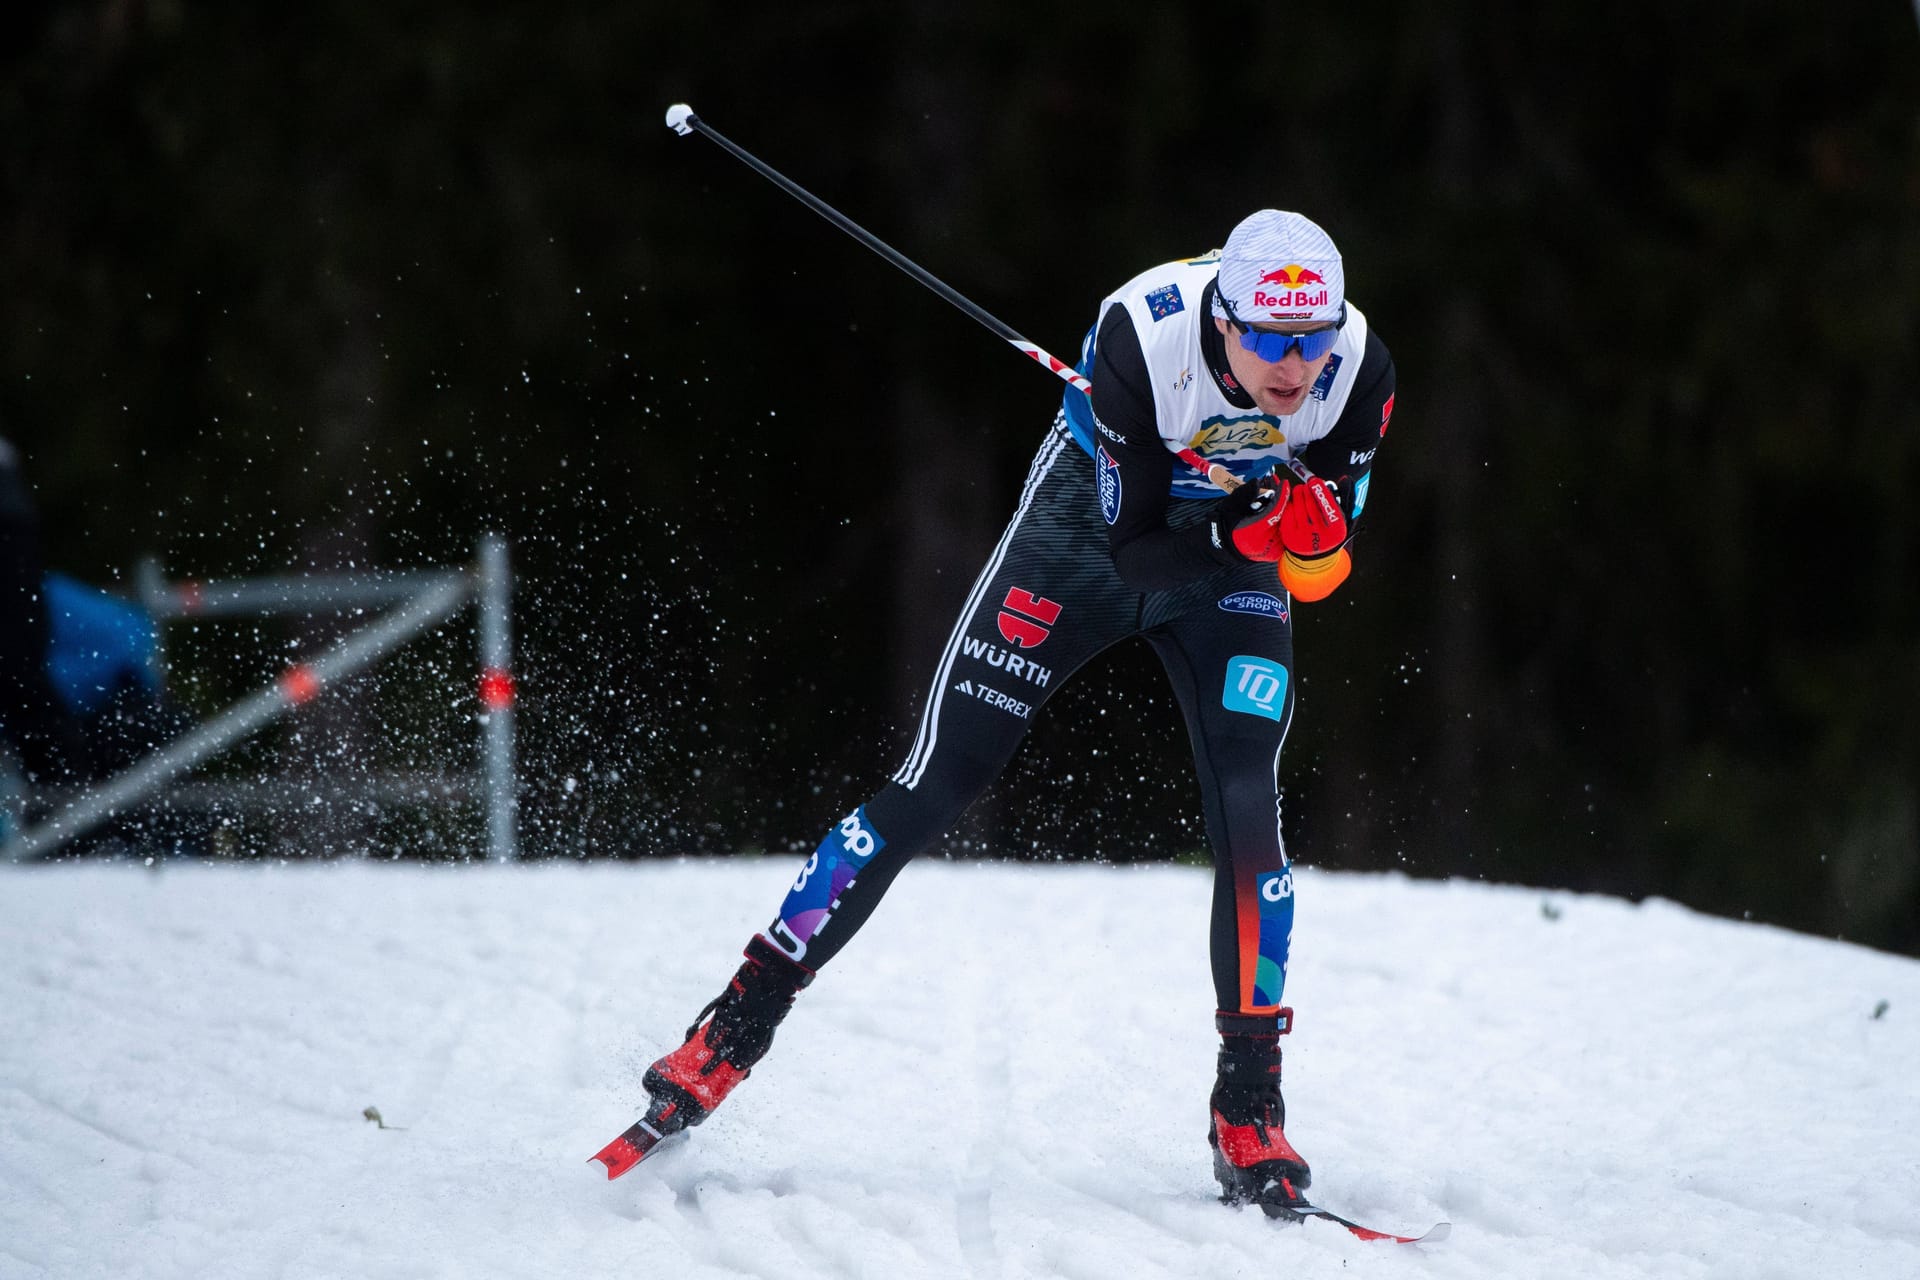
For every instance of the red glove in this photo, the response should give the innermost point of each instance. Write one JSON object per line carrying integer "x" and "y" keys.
{"x": 1253, "y": 513}
{"x": 1311, "y": 521}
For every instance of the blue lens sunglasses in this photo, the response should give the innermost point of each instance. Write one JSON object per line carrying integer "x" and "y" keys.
{"x": 1273, "y": 347}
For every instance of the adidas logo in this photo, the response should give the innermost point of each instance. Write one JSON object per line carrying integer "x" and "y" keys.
{"x": 995, "y": 699}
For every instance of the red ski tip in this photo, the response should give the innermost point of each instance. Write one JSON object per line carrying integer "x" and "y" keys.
{"x": 619, "y": 1156}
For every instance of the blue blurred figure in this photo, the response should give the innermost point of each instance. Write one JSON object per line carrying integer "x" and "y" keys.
{"x": 35, "y": 722}
{"x": 80, "y": 695}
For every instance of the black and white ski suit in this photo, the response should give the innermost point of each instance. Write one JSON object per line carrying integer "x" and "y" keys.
{"x": 1110, "y": 539}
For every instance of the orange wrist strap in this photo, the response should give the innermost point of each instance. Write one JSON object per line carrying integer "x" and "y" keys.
{"x": 1315, "y": 579}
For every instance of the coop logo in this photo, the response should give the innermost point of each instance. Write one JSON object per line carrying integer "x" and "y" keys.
{"x": 1107, "y": 477}
{"x": 1290, "y": 288}
{"x": 1012, "y": 663}
{"x": 857, "y": 839}
{"x": 825, "y": 877}
{"x": 1255, "y": 687}
{"x": 995, "y": 699}
{"x": 1255, "y": 602}
{"x": 1277, "y": 888}
{"x": 1026, "y": 620}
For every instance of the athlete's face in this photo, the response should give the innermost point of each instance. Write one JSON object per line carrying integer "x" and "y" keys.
{"x": 1277, "y": 389}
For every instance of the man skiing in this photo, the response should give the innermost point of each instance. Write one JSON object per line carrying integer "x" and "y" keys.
{"x": 1248, "y": 366}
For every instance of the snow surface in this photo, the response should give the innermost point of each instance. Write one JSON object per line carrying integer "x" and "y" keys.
{"x": 1004, "y": 1076}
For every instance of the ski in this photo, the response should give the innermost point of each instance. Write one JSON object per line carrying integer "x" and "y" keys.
{"x": 662, "y": 1121}
{"x": 1301, "y": 1210}
{"x": 665, "y": 1118}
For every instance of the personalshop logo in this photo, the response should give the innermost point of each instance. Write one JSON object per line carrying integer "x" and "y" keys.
{"x": 1255, "y": 602}
{"x": 1026, "y": 620}
{"x": 1255, "y": 686}
{"x": 1107, "y": 476}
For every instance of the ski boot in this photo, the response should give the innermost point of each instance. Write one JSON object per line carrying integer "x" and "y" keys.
{"x": 720, "y": 1051}
{"x": 1252, "y": 1158}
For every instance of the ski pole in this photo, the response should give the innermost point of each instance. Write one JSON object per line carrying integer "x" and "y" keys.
{"x": 682, "y": 120}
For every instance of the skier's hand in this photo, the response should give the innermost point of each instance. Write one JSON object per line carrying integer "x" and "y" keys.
{"x": 1248, "y": 519}
{"x": 1312, "y": 524}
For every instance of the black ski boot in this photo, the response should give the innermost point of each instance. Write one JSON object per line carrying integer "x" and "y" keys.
{"x": 1251, "y": 1155}
{"x": 728, "y": 1037}
{"x": 702, "y": 1072}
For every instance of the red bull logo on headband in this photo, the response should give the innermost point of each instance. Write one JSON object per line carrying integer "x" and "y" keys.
{"x": 1288, "y": 290}
{"x": 1292, "y": 276}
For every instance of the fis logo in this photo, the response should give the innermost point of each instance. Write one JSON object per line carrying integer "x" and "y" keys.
{"x": 1026, "y": 620}
{"x": 1185, "y": 379}
{"x": 1255, "y": 687}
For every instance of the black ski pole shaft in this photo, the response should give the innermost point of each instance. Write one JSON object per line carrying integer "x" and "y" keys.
{"x": 682, "y": 120}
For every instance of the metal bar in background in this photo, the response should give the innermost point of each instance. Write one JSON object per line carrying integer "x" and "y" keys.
{"x": 305, "y": 593}
{"x": 493, "y": 599}
{"x": 297, "y": 685}
{"x": 280, "y": 794}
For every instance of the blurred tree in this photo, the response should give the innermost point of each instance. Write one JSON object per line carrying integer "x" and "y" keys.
{"x": 1634, "y": 608}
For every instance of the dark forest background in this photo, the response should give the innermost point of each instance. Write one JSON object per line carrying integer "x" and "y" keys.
{"x": 1635, "y": 611}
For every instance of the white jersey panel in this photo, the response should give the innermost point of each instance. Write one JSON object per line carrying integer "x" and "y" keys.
{"x": 1189, "y": 407}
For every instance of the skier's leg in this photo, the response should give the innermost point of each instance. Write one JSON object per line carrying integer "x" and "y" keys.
{"x": 1230, "y": 658}
{"x": 1232, "y": 672}
{"x": 1046, "y": 601}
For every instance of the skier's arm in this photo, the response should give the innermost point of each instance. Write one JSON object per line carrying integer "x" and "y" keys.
{"x": 1135, "y": 471}
{"x": 1345, "y": 454}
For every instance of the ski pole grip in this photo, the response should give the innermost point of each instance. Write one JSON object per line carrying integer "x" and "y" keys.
{"x": 680, "y": 118}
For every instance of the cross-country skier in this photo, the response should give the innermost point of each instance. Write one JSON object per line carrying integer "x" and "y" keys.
{"x": 1251, "y": 359}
